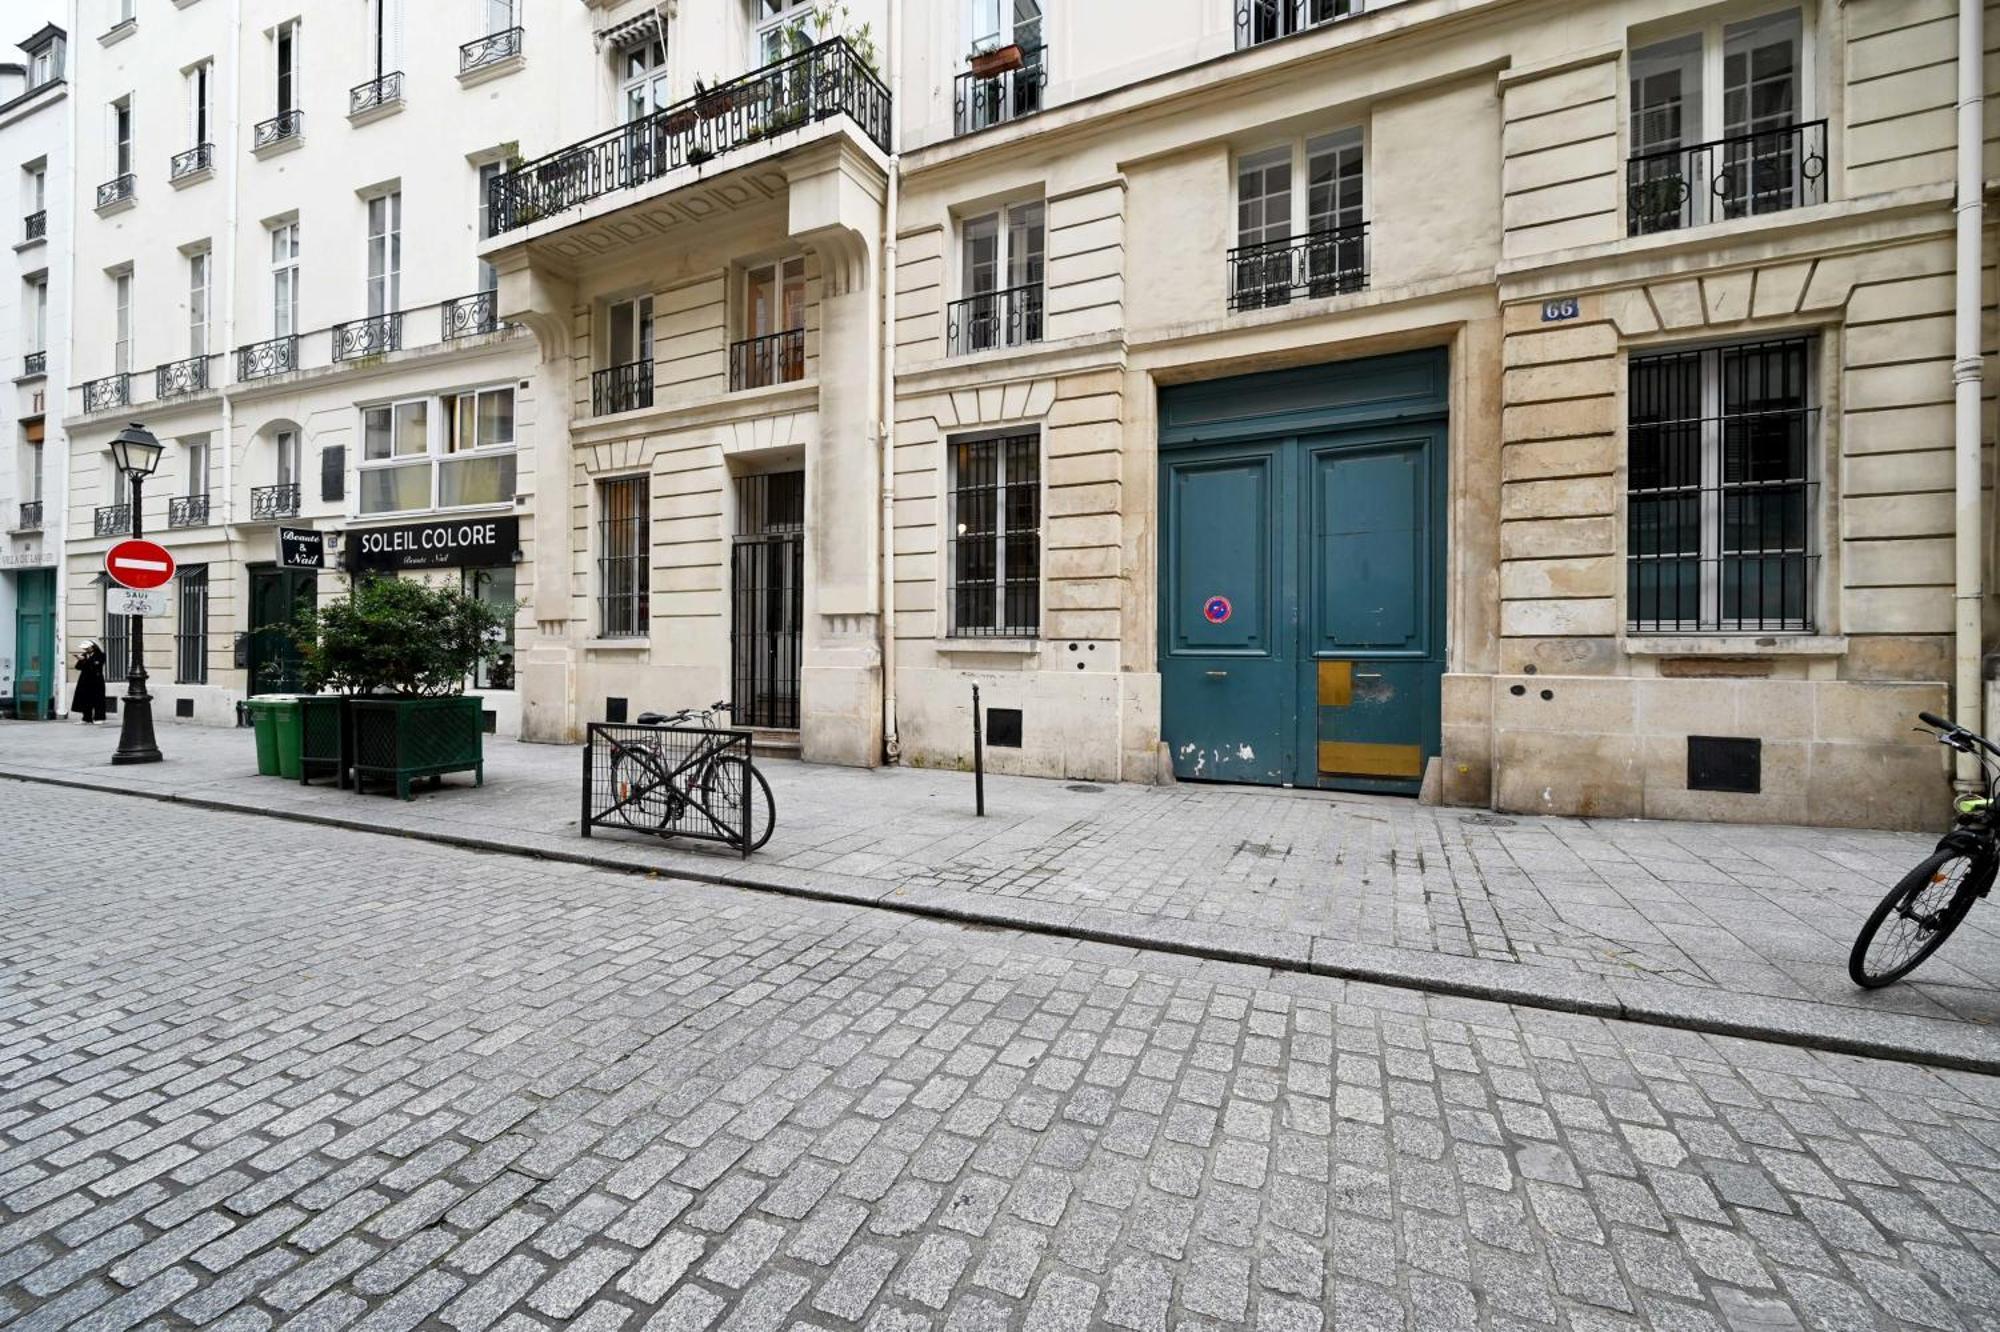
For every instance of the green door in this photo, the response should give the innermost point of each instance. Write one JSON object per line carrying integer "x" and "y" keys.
{"x": 276, "y": 597}
{"x": 37, "y": 673}
{"x": 1301, "y": 575}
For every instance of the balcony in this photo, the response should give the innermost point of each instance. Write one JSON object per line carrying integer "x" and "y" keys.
{"x": 34, "y": 363}
{"x": 101, "y": 395}
{"x": 31, "y": 517}
{"x": 181, "y": 379}
{"x": 268, "y": 503}
{"x": 112, "y": 520}
{"x": 994, "y": 319}
{"x": 817, "y": 84}
{"x": 196, "y": 162}
{"x": 377, "y": 97}
{"x": 1331, "y": 262}
{"x": 376, "y": 335}
{"x": 621, "y": 388}
{"x": 1260, "y": 21}
{"x": 1743, "y": 176}
{"x": 779, "y": 358}
{"x": 983, "y": 101}
{"x": 261, "y": 360}
{"x": 490, "y": 54}
{"x": 281, "y": 131}
{"x": 187, "y": 511}
{"x": 468, "y": 316}
{"x": 35, "y": 226}
{"x": 118, "y": 192}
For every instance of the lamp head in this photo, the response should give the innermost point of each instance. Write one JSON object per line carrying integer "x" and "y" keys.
{"x": 136, "y": 450}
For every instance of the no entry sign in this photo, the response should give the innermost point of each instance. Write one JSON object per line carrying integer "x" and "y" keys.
{"x": 139, "y": 564}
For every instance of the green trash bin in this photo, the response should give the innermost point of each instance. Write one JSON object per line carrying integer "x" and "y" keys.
{"x": 264, "y": 722}
{"x": 288, "y": 724}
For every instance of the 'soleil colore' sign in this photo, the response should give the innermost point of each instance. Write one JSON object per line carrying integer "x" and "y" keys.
{"x": 467, "y": 542}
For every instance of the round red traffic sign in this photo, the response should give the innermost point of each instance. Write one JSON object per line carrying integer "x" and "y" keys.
{"x": 139, "y": 564}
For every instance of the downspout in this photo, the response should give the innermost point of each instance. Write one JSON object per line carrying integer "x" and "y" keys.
{"x": 239, "y": 572}
{"x": 1968, "y": 372}
{"x": 891, "y": 741}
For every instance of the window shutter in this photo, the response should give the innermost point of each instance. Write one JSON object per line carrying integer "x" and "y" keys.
{"x": 333, "y": 474}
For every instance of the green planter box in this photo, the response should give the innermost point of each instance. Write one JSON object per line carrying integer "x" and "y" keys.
{"x": 402, "y": 739}
{"x": 326, "y": 740}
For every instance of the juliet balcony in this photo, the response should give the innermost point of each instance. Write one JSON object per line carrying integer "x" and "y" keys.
{"x": 1329, "y": 262}
{"x": 30, "y": 519}
{"x": 1260, "y": 21}
{"x": 117, "y": 193}
{"x": 1745, "y": 175}
{"x": 188, "y": 511}
{"x": 270, "y": 503}
{"x": 197, "y": 163}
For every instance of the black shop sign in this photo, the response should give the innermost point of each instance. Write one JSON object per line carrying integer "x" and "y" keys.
{"x": 473, "y": 543}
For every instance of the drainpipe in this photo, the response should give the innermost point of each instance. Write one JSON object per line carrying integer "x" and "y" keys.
{"x": 891, "y": 742}
{"x": 239, "y": 575}
{"x": 1968, "y": 371}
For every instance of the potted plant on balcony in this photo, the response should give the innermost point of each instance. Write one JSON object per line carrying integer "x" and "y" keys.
{"x": 711, "y": 101}
{"x": 990, "y": 62}
{"x": 399, "y": 652}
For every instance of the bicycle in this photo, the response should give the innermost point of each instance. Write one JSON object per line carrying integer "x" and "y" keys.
{"x": 655, "y": 792}
{"x": 1922, "y": 910}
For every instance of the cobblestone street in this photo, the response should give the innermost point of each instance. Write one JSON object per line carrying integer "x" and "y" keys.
{"x": 255, "y": 1073}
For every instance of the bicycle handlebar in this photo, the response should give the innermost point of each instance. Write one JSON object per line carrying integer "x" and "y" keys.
{"x": 1932, "y": 719}
{"x": 1957, "y": 736}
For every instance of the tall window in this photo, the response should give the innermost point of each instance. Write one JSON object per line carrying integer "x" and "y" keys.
{"x": 1296, "y": 243}
{"x": 121, "y": 136}
{"x": 127, "y": 10}
{"x": 500, "y": 15}
{"x": 117, "y": 637}
{"x": 290, "y": 461}
{"x": 1002, "y": 22}
{"x": 494, "y": 587}
{"x": 196, "y": 451}
{"x": 774, "y": 303}
{"x": 1721, "y": 509}
{"x": 121, "y": 305}
{"x": 450, "y": 452}
{"x": 385, "y": 253}
{"x": 385, "y": 36}
{"x": 631, "y": 330}
{"x": 285, "y": 279}
{"x": 38, "y": 189}
{"x": 31, "y": 467}
{"x": 782, "y": 27}
{"x": 198, "y": 102}
{"x": 38, "y": 312}
{"x": 1267, "y": 20}
{"x": 198, "y": 269}
{"x": 996, "y": 536}
{"x": 643, "y": 84}
{"x": 287, "y": 41}
{"x": 44, "y": 64}
{"x": 623, "y": 545}
{"x": 489, "y": 276}
{"x": 1001, "y": 272}
{"x": 191, "y": 625}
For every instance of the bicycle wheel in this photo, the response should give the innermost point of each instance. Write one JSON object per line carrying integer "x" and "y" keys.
{"x": 645, "y": 802}
{"x": 1917, "y": 916}
{"x": 727, "y": 778}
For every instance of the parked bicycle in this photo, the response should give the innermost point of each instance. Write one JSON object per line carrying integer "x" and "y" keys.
{"x": 657, "y": 784}
{"x": 1922, "y": 910}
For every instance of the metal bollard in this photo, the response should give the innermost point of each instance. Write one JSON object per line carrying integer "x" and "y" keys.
{"x": 978, "y": 757}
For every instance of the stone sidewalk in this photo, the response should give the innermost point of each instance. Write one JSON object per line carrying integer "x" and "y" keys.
{"x": 1733, "y": 930}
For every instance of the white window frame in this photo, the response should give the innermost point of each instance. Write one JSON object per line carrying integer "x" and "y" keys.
{"x": 385, "y": 36}
{"x": 1006, "y": 24}
{"x": 40, "y": 306}
{"x": 639, "y": 312}
{"x": 496, "y": 16}
{"x": 201, "y": 267}
{"x": 642, "y": 88}
{"x": 484, "y": 175}
{"x": 787, "y": 278}
{"x": 285, "y": 248}
{"x": 195, "y": 450}
{"x": 384, "y": 213}
{"x": 1014, "y": 228}
{"x": 767, "y": 37}
{"x": 122, "y": 132}
{"x": 38, "y": 188}
{"x": 1301, "y": 152}
{"x": 289, "y": 455}
{"x": 440, "y": 416}
{"x": 286, "y": 65}
{"x": 31, "y": 466}
{"x": 200, "y": 79}
{"x": 128, "y": 10}
{"x": 121, "y": 314}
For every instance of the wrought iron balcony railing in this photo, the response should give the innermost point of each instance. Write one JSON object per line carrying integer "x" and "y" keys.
{"x": 261, "y": 360}
{"x": 373, "y": 336}
{"x": 36, "y": 225}
{"x": 284, "y": 126}
{"x": 179, "y": 379}
{"x": 35, "y": 363}
{"x": 819, "y": 83}
{"x": 279, "y": 501}
{"x": 193, "y": 162}
{"x": 621, "y": 388}
{"x": 112, "y": 520}
{"x": 1260, "y": 21}
{"x": 778, "y": 358}
{"x": 117, "y": 190}
{"x": 31, "y": 517}
{"x": 979, "y": 103}
{"x": 187, "y": 511}
{"x": 468, "y": 316}
{"x": 376, "y": 93}
{"x": 489, "y": 50}
{"x": 994, "y": 319}
{"x": 1331, "y": 262}
{"x": 1747, "y": 175}
{"x": 101, "y": 395}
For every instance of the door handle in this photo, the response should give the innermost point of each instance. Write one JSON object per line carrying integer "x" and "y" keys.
{"x": 1368, "y": 675}
{"x": 1218, "y": 675}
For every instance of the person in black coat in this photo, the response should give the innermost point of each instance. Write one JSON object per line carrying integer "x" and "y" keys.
{"x": 88, "y": 697}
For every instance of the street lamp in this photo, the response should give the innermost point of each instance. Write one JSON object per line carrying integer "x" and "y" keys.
{"x": 136, "y": 452}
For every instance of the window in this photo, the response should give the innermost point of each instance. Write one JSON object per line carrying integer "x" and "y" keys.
{"x": 198, "y": 103}
{"x": 121, "y": 304}
{"x": 450, "y": 452}
{"x": 1719, "y": 125}
{"x": 774, "y": 322}
{"x": 196, "y": 450}
{"x": 385, "y": 36}
{"x": 643, "y": 83}
{"x": 996, "y": 537}
{"x": 782, "y": 28}
{"x": 198, "y": 266}
{"x": 38, "y": 188}
{"x": 127, "y": 10}
{"x": 45, "y": 62}
{"x": 1293, "y": 243}
{"x": 285, "y": 279}
{"x": 31, "y": 467}
{"x": 1001, "y": 22}
{"x": 623, "y": 585}
{"x": 631, "y": 331}
{"x": 287, "y": 40}
{"x": 495, "y": 587}
{"x": 1010, "y": 93}
{"x": 385, "y": 254}
{"x": 117, "y": 637}
{"x": 121, "y": 137}
{"x": 38, "y": 312}
{"x": 1722, "y": 500}
{"x": 191, "y": 625}
{"x": 291, "y": 465}
{"x": 1260, "y": 21}
{"x": 489, "y": 276}
{"x": 499, "y": 15}
{"x": 1001, "y": 273}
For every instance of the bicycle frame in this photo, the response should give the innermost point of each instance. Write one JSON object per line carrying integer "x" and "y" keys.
{"x": 616, "y": 796}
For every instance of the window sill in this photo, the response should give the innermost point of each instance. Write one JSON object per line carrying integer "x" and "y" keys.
{"x": 1734, "y": 645}
{"x": 280, "y": 146}
{"x": 118, "y": 33}
{"x": 187, "y": 178}
{"x": 380, "y": 111}
{"x": 497, "y": 69}
{"x": 637, "y": 643}
{"x": 1013, "y": 647}
{"x": 113, "y": 209}
{"x": 22, "y": 247}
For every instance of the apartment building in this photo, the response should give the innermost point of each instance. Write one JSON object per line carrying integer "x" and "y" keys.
{"x": 278, "y": 210}
{"x": 34, "y": 212}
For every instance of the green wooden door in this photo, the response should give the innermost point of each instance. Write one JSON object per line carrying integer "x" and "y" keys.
{"x": 276, "y": 597}
{"x": 37, "y": 673}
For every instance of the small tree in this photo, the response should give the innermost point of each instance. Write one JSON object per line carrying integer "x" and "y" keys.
{"x": 397, "y": 636}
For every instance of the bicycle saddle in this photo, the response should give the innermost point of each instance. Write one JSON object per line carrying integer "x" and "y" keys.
{"x": 652, "y": 719}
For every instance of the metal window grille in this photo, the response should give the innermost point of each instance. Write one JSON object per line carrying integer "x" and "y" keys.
{"x": 1768, "y": 171}
{"x": 117, "y": 644}
{"x": 191, "y": 626}
{"x": 1260, "y": 21}
{"x": 996, "y": 543}
{"x": 1722, "y": 509}
{"x": 767, "y": 592}
{"x": 623, "y": 606}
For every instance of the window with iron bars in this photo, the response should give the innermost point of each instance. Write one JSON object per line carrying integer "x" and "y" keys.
{"x": 117, "y": 639}
{"x": 191, "y": 626}
{"x": 1722, "y": 503}
{"x": 996, "y": 537}
{"x": 623, "y": 543}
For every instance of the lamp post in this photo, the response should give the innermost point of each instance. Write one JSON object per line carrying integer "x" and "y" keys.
{"x": 136, "y": 452}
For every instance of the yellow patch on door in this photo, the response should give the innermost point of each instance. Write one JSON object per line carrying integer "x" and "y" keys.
{"x": 1336, "y": 684}
{"x": 1344, "y": 758}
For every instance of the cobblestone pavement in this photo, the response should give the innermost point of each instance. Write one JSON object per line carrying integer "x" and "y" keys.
{"x": 1529, "y": 907}
{"x": 259, "y": 1073}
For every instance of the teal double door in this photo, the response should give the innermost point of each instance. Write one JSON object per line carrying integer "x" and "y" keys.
{"x": 1302, "y": 575}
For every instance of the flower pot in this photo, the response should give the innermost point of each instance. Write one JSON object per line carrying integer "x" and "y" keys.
{"x": 401, "y": 739}
{"x": 711, "y": 105}
{"x": 680, "y": 122}
{"x": 1000, "y": 60}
